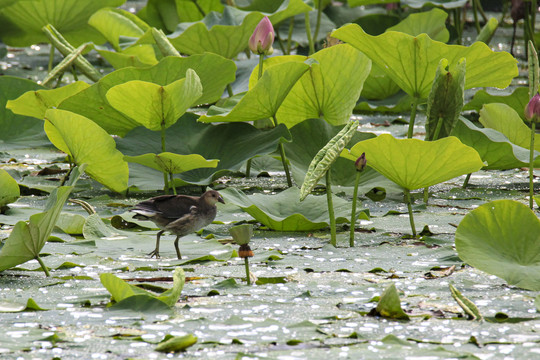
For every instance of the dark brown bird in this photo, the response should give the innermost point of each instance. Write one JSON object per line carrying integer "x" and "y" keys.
{"x": 178, "y": 214}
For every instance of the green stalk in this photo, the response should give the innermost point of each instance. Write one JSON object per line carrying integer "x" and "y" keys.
{"x": 283, "y": 157}
{"x": 43, "y": 266}
{"x": 260, "y": 74}
{"x": 308, "y": 34}
{"x": 409, "y": 207}
{"x": 457, "y": 24}
{"x": 51, "y": 58}
{"x": 475, "y": 14}
{"x": 172, "y": 183}
{"x": 281, "y": 46}
{"x": 248, "y": 277}
{"x": 353, "y": 211}
{"x": 165, "y": 178}
{"x": 531, "y": 163}
{"x": 333, "y": 240}
{"x": 426, "y": 195}
{"x": 317, "y": 27}
{"x": 416, "y": 99}
{"x": 289, "y": 36}
{"x": 229, "y": 90}
{"x": 466, "y": 182}
{"x": 435, "y": 137}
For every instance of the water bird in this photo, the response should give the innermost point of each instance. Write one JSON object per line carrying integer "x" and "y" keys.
{"x": 178, "y": 214}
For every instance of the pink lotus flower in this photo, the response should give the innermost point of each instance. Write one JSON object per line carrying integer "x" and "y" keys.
{"x": 263, "y": 37}
{"x": 533, "y": 108}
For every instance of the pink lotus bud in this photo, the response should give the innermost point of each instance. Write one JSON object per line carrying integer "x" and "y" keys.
{"x": 361, "y": 162}
{"x": 532, "y": 110}
{"x": 263, "y": 37}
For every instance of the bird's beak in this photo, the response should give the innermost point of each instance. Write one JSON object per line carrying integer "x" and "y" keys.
{"x": 220, "y": 199}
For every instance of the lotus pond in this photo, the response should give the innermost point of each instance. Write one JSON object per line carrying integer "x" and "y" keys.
{"x": 146, "y": 98}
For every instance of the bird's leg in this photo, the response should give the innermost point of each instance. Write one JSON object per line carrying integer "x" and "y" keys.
{"x": 156, "y": 250}
{"x": 177, "y": 249}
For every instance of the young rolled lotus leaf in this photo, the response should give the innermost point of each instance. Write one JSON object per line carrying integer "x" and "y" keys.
{"x": 9, "y": 189}
{"x": 502, "y": 238}
{"x": 173, "y": 344}
{"x": 467, "y": 305}
{"x": 22, "y": 21}
{"x": 445, "y": 100}
{"x": 504, "y": 119}
{"x": 213, "y": 71}
{"x": 86, "y": 143}
{"x": 27, "y": 239}
{"x": 35, "y": 103}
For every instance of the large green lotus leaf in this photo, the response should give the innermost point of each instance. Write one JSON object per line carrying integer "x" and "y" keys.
{"x": 153, "y": 106}
{"x": 493, "y": 147}
{"x": 224, "y": 34}
{"x": 18, "y": 131}
{"x": 214, "y": 73}
{"x": 285, "y": 212}
{"x": 9, "y": 189}
{"x": 88, "y": 144}
{"x": 412, "y": 61}
{"x": 502, "y": 238}
{"x": 264, "y": 99}
{"x": 232, "y": 143}
{"x": 35, "y": 103}
{"x": 378, "y": 85}
{"x": 309, "y": 137}
{"x": 22, "y": 21}
{"x": 277, "y": 11}
{"x": 431, "y": 22}
{"x": 517, "y": 100}
{"x": 140, "y": 55}
{"x": 353, "y": 3}
{"x": 299, "y": 28}
{"x": 187, "y": 10}
{"x": 113, "y": 23}
{"x": 397, "y": 103}
{"x": 446, "y": 4}
{"x": 27, "y": 239}
{"x": 506, "y": 120}
{"x": 323, "y": 90}
{"x": 172, "y": 163}
{"x": 414, "y": 163}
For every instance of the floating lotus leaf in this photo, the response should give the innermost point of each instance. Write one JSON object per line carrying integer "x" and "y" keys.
{"x": 517, "y": 100}
{"x": 493, "y": 147}
{"x": 9, "y": 189}
{"x": 22, "y": 21}
{"x": 412, "y": 61}
{"x": 35, "y": 103}
{"x": 172, "y": 163}
{"x": 502, "y": 238}
{"x": 264, "y": 99}
{"x": 415, "y": 164}
{"x": 285, "y": 212}
{"x": 153, "y": 106}
{"x": 506, "y": 120}
{"x": 89, "y": 144}
{"x": 446, "y": 4}
{"x": 213, "y": 71}
{"x": 389, "y": 305}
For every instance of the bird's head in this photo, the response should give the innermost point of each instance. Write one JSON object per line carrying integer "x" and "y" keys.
{"x": 212, "y": 197}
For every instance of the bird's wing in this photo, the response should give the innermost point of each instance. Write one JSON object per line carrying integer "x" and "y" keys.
{"x": 174, "y": 207}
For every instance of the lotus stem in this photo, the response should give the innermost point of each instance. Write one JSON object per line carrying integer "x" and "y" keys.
{"x": 438, "y": 129}
{"x": 426, "y": 195}
{"x": 333, "y": 240}
{"x": 475, "y": 15}
{"x": 165, "y": 178}
{"x": 466, "y": 182}
{"x": 308, "y": 34}
{"x": 317, "y": 27}
{"x": 261, "y": 65}
{"x": 289, "y": 36}
{"x": 51, "y": 58}
{"x": 280, "y": 42}
{"x": 531, "y": 164}
{"x": 283, "y": 157}
{"x": 457, "y": 24}
{"x": 172, "y": 183}
{"x": 353, "y": 211}
{"x": 43, "y": 266}
{"x": 414, "y": 105}
{"x": 409, "y": 207}
{"x": 248, "y": 276}
{"x": 229, "y": 90}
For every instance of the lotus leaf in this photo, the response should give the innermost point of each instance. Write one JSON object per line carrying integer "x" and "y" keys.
{"x": 389, "y": 305}
{"x": 176, "y": 343}
{"x": 504, "y": 119}
{"x": 445, "y": 100}
{"x": 89, "y": 144}
{"x": 279, "y": 10}
{"x": 415, "y": 164}
{"x": 378, "y": 85}
{"x": 263, "y": 100}
{"x": 446, "y": 4}
{"x": 493, "y": 147}
{"x": 18, "y": 131}
{"x": 431, "y": 22}
{"x": 233, "y": 144}
{"x": 136, "y": 56}
{"x": 9, "y": 189}
{"x": 214, "y": 73}
{"x": 502, "y": 238}
{"x": 172, "y": 163}
{"x": 285, "y": 212}
{"x": 153, "y": 106}
{"x": 114, "y": 23}
{"x": 22, "y": 21}
{"x": 35, "y": 103}
{"x": 27, "y": 239}
{"x": 353, "y": 3}
{"x": 517, "y": 100}
{"x": 412, "y": 61}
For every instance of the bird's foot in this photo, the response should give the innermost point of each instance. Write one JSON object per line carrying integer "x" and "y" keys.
{"x": 155, "y": 253}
